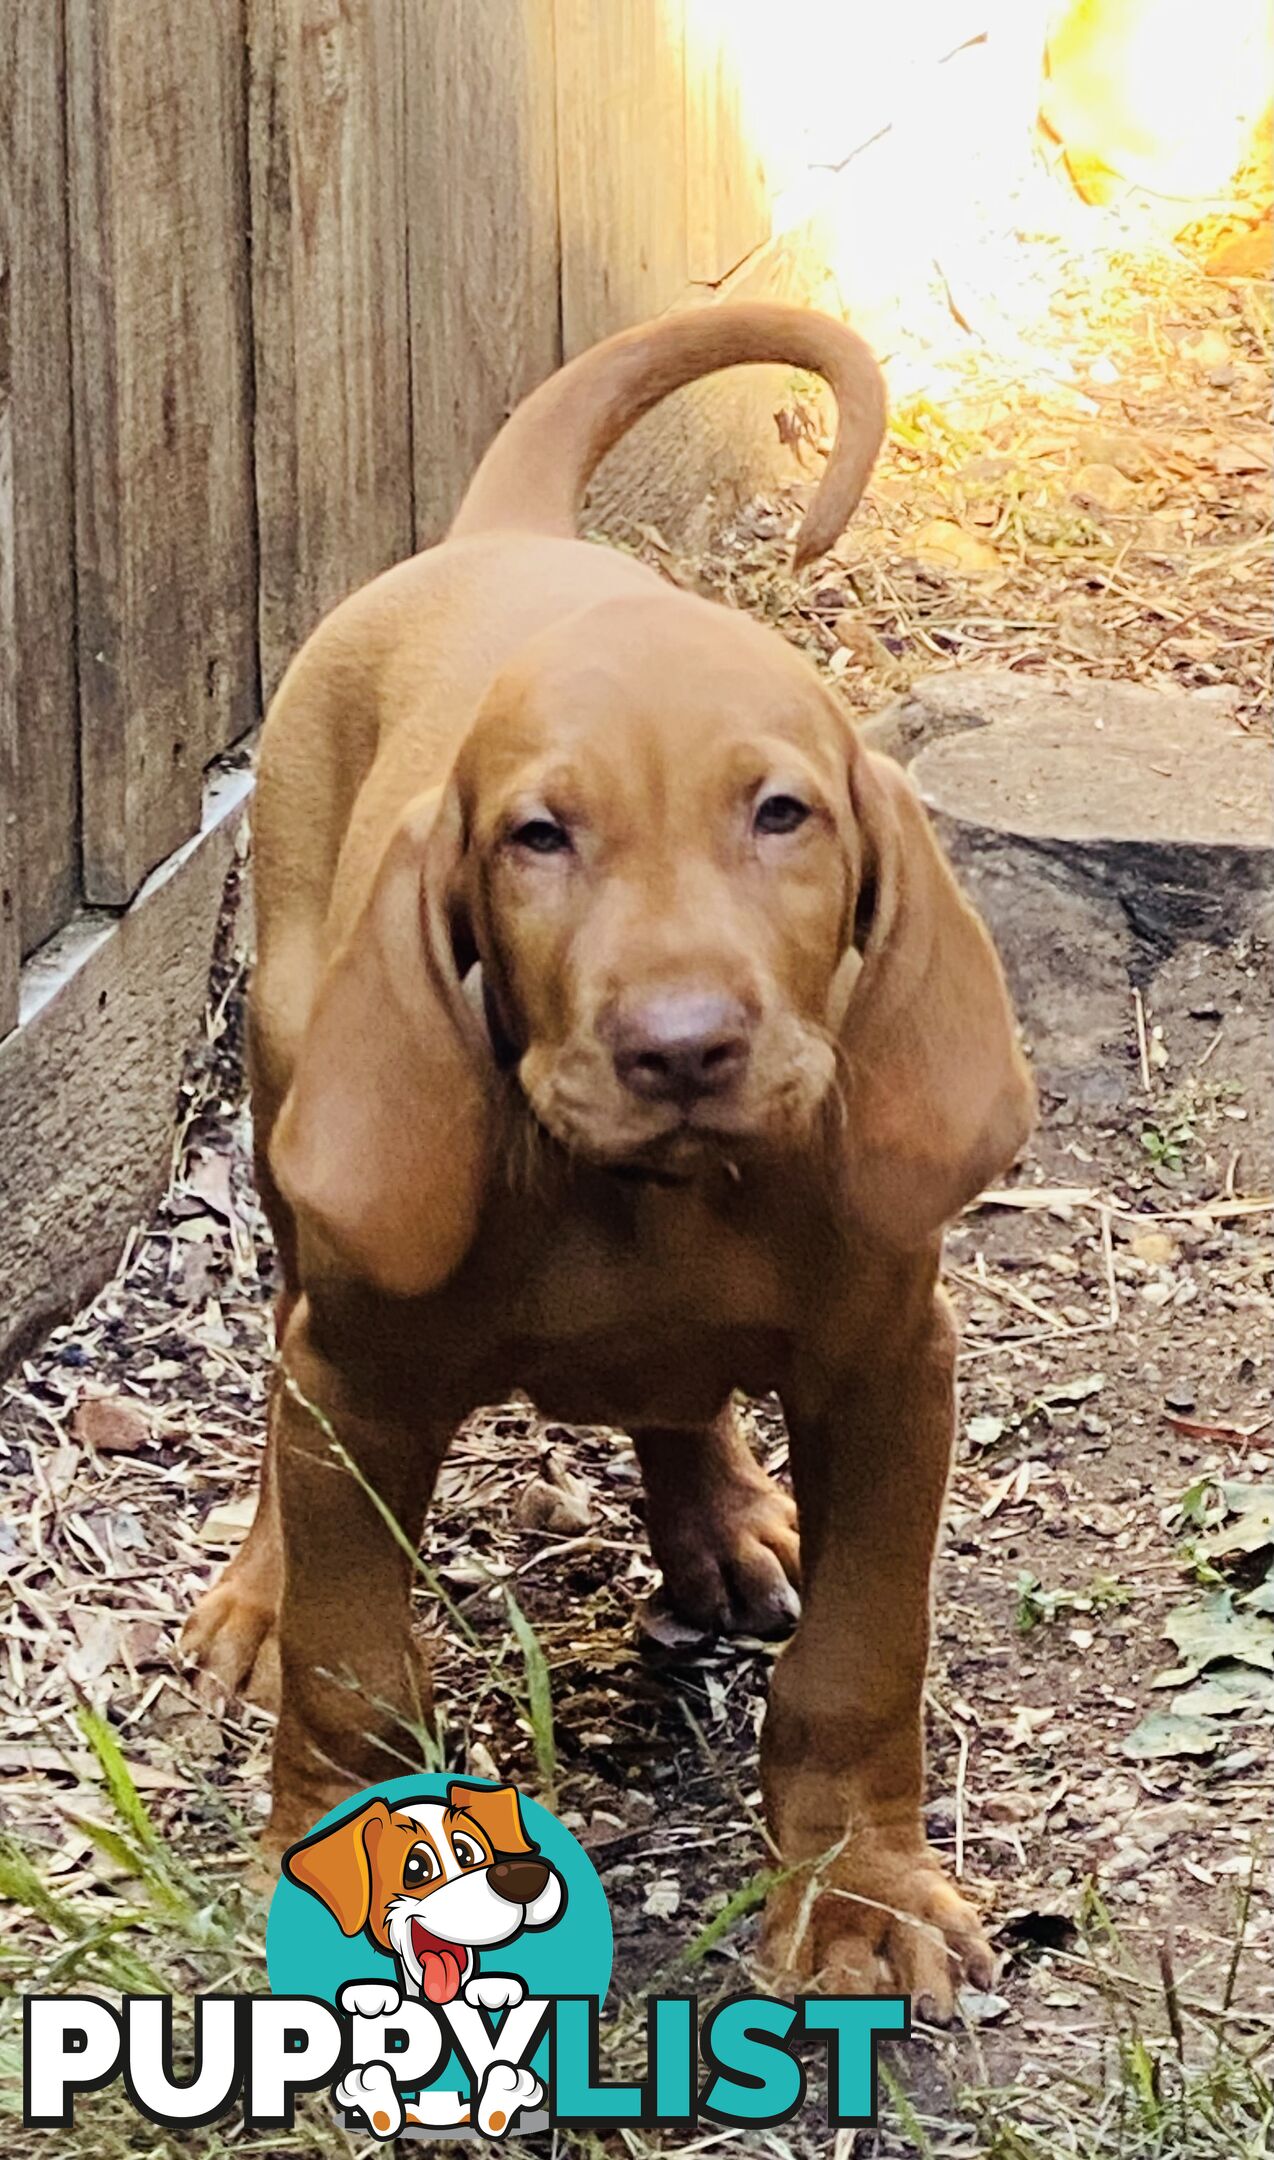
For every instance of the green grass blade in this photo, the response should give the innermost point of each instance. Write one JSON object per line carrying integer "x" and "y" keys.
{"x": 125, "y": 1798}
{"x": 539, "y": 1691}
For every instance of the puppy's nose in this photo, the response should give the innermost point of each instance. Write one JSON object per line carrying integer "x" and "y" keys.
{"x": 680, "y": 1045}
{"x": 520, "y": 1881}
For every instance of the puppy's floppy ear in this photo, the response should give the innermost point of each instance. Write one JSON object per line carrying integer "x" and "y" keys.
{"x": 383, "y": 1141}
{"x": 938, "y": 1096}
{"x": 496, "y": 1811}
{"x": 336, "y": 1867}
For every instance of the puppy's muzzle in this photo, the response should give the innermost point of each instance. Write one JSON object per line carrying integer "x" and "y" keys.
{"x": 520, "y": 1881}
{"x": 679, "y": 1046}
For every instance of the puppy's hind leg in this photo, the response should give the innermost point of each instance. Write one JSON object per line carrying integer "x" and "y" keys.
{"x": 723, "y": 1532}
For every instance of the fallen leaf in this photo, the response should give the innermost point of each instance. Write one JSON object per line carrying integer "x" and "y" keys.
{"x": 1227, "y": 1689}
{"x": 1073, "y": 1391}
{"x": 1081, "y": 630}
{"x": 227, "y": 1525}
{"x": 1037, "y": 1196}
{"x": 556, "y": 1501}
{"x": 661, "y": 1627}
{"x": 1197, "y": 1429}
{"x": 1243, "y": 255}
{"x": 111, "y": 1426}
{"x": 1129, "y": 455}
{"x": 1251, "y": 1530}
{"x": 1206, "y": 348}
{"x": 941, "y": 544}
{"x": 1027, "y": 1722}
{"x": 663, "y": 1898}
{"x": 1164, "y": 1733}
{"x": 97, "y": 1649}
{"x": 209, "y": 1179}
{"x": 1212, "y": 1630}
{"x": 984, "y": 1431}
{"x": 980, "y": 2008}
{"x": 1104, "y": 485}
{"x": 860, "y": 642}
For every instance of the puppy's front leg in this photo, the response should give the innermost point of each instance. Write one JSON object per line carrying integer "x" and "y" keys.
{"x": 351, "y": 1676}
{"x": 842, "y": 1749}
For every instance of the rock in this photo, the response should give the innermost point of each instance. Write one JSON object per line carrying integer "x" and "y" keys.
{"x": 940, "y": 705}
{"x": 1105, "y": 831}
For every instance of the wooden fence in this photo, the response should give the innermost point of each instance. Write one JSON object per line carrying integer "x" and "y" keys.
{"x": 276, "y": 270}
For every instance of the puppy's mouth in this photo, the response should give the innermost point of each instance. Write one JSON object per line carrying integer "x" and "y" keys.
{"x": 442, "y": 1964}
{"x": 682, "y": 1150}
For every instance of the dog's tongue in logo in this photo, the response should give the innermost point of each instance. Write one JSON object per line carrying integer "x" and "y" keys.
{"x": 441, "y": 1964}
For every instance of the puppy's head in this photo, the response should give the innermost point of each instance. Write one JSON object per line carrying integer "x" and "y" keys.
{"x": 704, "y": 917}
{"x": 663, "y": 864}
{"x": 432, "y": 1881}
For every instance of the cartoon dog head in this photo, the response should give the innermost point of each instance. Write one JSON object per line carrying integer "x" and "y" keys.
{"x": 432, "y": 1881}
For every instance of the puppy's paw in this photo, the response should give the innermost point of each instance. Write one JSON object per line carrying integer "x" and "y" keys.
{"x": 369, "y": 1998}
{"x": 371, "y": 2090}
{"x": 506, "y": 2090}
{"x": 883, "y": 1918}
{"x": 230, "y": 1636}
{"x": 494, "y": 1991}
{"x": 732, "y": 1561}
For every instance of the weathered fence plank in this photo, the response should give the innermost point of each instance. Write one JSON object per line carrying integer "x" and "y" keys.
{"x": 621, "y": 161}
{"x": 329, "y": 261}
{"x": 483, "y": 235}
{"x": 727, "y": 202}
{"x": 37, "y": 626}
{"x": 9, "y": 837}
{"x": 166, "y": 571}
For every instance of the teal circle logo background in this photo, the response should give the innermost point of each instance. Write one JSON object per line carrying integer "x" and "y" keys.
{"x": 306, "y": 1953}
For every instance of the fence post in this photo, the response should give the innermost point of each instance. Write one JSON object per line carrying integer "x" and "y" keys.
{"x": 162, "y": 389}
{"x": 37, "y": 619}
{"x": 482, "y": 231}
{"x": 329, "y": 291}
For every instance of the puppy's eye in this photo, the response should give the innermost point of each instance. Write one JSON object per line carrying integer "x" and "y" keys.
{"x": 466, "y": 1852}
{"x": 420, "y": 1866}
{"x": 780, "y": 814}
{"x": 542, "y": 836}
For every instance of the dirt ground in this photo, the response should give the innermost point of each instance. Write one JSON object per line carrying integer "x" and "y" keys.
{"x": 1110, "y": 1515}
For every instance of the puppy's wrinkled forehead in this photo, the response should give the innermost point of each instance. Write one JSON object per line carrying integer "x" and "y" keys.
{"x": 637, "y": 697}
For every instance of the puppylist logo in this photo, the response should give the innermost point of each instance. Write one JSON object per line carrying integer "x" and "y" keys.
{"x": 438, "y": 1952}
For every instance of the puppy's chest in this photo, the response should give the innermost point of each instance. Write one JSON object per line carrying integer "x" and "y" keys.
{"x": 654, "y": 1315}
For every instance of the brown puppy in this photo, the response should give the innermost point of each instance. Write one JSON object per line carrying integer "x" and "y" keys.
{"x": 620, "y": 1034}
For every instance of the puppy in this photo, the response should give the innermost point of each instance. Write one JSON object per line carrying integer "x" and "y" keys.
{"x": 618, "y": 1034}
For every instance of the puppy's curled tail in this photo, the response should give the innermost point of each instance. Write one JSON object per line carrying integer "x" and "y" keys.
{"x": 534, "y": 475}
